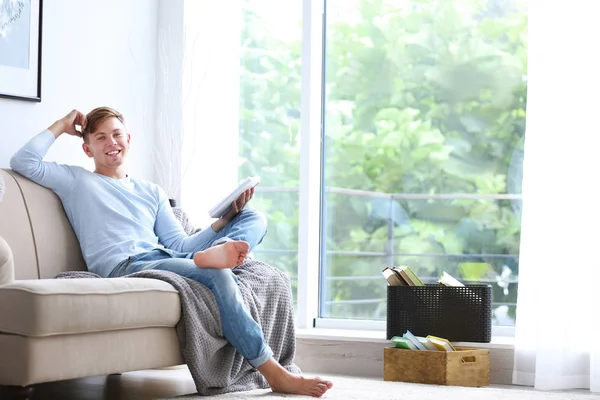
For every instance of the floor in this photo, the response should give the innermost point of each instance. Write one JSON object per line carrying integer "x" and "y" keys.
{"x": 139, "y": 385}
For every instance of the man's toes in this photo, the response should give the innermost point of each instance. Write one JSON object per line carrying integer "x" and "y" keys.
{"x": 242, "y": 246}
{"x": 240, "y": 260}
{"x": 321, "y": 389}
{"x": 328, "y": 384}
{"x": 322, "y": 381}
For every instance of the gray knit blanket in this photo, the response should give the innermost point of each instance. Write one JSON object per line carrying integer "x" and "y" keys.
{"x": 215, "y": 365}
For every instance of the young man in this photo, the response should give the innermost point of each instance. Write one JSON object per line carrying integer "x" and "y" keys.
{"x": 125, "y": 225}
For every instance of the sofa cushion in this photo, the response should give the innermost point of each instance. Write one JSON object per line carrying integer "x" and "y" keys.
{"x": 46, "y": 307}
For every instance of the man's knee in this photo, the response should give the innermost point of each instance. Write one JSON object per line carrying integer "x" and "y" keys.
{"x": 259, "y": 220}
{"x": 223, "y": 280}
{"x": 223, "y": 275}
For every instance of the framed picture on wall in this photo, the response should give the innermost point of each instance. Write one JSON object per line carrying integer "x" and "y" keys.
{"x": 21, "y": 49}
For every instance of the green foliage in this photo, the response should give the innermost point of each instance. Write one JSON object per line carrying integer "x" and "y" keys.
{"x": 423, "y": 97}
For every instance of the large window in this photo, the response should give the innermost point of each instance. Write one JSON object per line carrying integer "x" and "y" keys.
{"x": 424, "y": 127}
{"x": 424, "y": 118}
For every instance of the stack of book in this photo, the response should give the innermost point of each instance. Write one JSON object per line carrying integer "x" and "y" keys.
{"x": 409, "y": 341}
{"x": 401, "y": 276}
{"x": 404, "y": 276}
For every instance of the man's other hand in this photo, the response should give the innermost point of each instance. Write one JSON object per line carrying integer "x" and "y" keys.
{"x": 236, "y": 207}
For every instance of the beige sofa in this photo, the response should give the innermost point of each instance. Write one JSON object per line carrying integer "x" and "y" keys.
{"x": 56, "y": 329}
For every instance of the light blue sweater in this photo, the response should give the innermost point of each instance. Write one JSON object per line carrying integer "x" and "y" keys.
{"x": 112, "y": 218}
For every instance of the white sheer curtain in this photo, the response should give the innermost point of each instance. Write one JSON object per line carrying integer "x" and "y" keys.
{"x": 558, "y": 311}
{"x": 198, "y": 96}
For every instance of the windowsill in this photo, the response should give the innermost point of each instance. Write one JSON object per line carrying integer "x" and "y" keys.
{"x": 498, "y": 342}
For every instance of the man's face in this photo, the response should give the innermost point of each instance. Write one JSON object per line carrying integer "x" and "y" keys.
{"x": 108, "y": 145}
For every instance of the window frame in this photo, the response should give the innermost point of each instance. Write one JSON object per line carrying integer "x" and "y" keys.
{"x": 311, "y": 136}
{"x": 311, "y": 181}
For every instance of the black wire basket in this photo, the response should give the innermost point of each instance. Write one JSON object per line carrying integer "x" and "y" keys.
{"x": 456, "y": 313}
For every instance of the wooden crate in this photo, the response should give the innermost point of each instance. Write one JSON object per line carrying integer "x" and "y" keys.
{"x": 464, "y": 367}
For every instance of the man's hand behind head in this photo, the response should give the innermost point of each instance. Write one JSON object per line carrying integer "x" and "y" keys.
{"x": 69, "y": 123}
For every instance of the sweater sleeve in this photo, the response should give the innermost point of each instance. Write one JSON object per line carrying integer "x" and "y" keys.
{"x": 28, "y": 161}
{"x": 170, "y": 233}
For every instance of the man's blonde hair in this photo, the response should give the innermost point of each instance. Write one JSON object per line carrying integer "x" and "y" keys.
{"x": 96, "y": 117}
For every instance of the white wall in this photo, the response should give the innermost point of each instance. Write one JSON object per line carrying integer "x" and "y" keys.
{"x": 95, "y": 53}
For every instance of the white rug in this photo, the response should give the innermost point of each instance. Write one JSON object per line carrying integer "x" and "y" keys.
{"x": 346, "y": 388}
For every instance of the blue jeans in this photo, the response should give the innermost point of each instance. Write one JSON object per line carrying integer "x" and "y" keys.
{"x": 248, "y": 225}
{"x": 239, "y": 328}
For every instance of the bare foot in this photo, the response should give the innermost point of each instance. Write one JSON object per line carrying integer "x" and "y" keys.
{"x": 227, "y": 255}
{"x": 282, "y": 381}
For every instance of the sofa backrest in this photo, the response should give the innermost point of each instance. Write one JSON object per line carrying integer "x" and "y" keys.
{"x": 34, "y": 224}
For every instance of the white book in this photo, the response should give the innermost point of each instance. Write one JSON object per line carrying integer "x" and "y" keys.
{"x": 449, "y": 280}
{"x": 408, "y": 335}
{"x": 427, "y": 343}
{"x": 225, "y": 205}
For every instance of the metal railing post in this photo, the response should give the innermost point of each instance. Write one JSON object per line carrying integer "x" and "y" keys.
{"x": 390, "y": 231}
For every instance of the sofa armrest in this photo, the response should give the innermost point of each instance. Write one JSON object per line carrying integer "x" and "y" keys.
{"x": 7, "y": 267}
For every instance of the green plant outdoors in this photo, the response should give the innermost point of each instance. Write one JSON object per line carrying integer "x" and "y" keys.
{"x": 422, "y": 98}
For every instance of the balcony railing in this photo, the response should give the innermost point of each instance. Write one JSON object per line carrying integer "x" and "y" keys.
{"x": 390, "y": 255}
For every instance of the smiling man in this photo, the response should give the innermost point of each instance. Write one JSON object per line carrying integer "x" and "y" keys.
{"x": 126, "y": 225}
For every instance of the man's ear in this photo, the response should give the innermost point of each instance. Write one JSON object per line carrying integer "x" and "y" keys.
{"x": 86, "y": 150}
